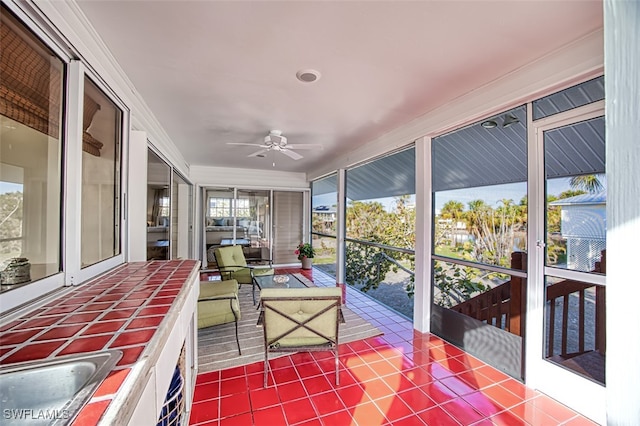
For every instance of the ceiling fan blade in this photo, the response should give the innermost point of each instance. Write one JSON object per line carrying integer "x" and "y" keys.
{"x": 247, "y": 144}
{"x": 291, "y": 154}
{"x": 255, "y": 154}
{"x": 305, "y": 146}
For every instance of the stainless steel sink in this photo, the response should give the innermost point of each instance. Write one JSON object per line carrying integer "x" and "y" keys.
{"x": 52, "y": 392}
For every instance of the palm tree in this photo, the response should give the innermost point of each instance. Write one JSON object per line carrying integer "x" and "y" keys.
{"x": 452, "y": 210}
{"x": 589, "y": 183}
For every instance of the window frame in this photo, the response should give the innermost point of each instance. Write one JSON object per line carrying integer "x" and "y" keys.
{"x": 226, "y": 209}
{"x": 74, "y": 72}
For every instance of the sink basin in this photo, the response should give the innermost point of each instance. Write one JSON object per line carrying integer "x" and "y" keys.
{"x": 52, "y": 392}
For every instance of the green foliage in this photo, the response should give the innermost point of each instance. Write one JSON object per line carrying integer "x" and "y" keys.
{"x": 570, "y": 193}
{"x": 10, "y": 224}
{"x": 456, "y": 284}
{"x": 367, "y": 266}
{"x": 305, "y": 250}
{"x": 588, "y": 183}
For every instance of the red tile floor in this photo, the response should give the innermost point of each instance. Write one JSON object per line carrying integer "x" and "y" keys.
{"x": 400, "y": 378}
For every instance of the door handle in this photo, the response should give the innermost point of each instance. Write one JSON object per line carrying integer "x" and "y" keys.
{"x": 540, "y": 244}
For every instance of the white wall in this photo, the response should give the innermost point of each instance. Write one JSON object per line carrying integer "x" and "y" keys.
{"x": 247, "y": 178}
{"x": 622, "y": 86}
{"x": 137, "y": 197}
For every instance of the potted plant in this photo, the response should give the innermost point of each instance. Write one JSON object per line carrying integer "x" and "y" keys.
{"x": 305, "y": 254}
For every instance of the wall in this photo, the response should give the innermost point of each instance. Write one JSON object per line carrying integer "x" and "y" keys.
{"x": 137, "y": 197}
{"x": 622, "y": 85}
{"x": 246, "y": 178}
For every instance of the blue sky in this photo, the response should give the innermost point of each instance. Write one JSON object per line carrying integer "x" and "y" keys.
{"x": 9, "y": 187}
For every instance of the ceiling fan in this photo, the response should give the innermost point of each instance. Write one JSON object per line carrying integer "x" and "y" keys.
{"x": 276, "y": 142}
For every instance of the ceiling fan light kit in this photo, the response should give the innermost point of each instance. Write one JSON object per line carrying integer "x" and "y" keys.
{"x": 275, "y": 138}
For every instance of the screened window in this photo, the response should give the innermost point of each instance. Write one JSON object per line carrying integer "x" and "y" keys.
{"x": 381, "y": 200}
{"x": 324, "y": 215}
{"x": 380, "y": 228}
{"x": 480, "y": 190}
{"x": 573, "y": 97}
{"x": 479, "y": 179}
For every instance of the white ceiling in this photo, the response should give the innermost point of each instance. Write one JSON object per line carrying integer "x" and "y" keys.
{"x": 215, "y": 72}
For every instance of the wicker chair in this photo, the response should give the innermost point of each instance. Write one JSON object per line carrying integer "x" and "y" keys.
{"x": 300, "y": 319}
{"x": 218, "y": 304}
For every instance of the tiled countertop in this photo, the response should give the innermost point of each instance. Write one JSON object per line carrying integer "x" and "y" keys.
{"x": 120, "y": 310}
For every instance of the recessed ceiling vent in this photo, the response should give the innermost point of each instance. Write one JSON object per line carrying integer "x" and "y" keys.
{"x": 308, "y": 76}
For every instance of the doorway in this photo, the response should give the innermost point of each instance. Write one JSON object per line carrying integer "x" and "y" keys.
{"x": 268, "y": 224}
{"x": 567, "y": 316}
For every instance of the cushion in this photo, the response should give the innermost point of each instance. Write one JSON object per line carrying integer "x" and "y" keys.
{"x": 230, "y": 256}
{"x": 216, "y": 288}
{"x": 300, "y": 310}
{"x": 217, "y": 312}
{"x": 219, "y": 222}
{"x": 243, "y": 275}
{"x": 214, "y": 312}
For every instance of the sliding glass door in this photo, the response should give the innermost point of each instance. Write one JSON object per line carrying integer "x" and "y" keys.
{"x": 158, "y": 207}
{"x": 267, "y": 224}
{"x": 253, "y": 224}
{"x": 181, "y": 218}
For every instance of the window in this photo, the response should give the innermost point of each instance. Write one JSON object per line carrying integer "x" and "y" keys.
{"x": 242, "y": 208}
{"x": 100, "y": 220}
{"x": 164, "y": 206}
{"x": 31, "y": 152}
{"x": 480, "y": 190}
{"x": 219, "y": 207}
{"x": 380, "y": 227}
{"x": 570, "y": 98}
{"x": 479, "y": 240}
{"x": 324, "y": 215}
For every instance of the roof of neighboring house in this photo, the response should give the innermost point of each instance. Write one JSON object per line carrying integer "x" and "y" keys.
{"x": 597, "y": 198}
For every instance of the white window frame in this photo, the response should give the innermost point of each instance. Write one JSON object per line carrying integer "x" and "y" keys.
{"x": 226, "y": 209}
{"x": 70, "y": 237}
